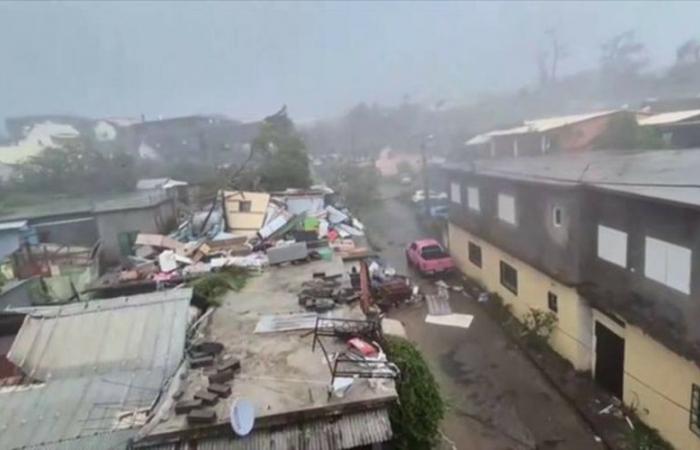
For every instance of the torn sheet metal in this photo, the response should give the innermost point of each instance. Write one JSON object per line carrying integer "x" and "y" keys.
{"x": 286, "y": 322}
{"x": 287, "y": 253}
{"x": 451, "y": 320}
{"x": 335, "y": 215}
{"x": 347, "y": 229}
{"x": 438, "y": 305}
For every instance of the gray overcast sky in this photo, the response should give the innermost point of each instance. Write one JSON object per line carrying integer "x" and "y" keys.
{"x": 246, "y": 59}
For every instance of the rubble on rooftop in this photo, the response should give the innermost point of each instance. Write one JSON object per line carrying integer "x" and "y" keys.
{"x": 248, "y": 230}
{"x": 294, "y": 342}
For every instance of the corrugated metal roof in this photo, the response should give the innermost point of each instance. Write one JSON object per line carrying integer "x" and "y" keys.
{"x": 13, "y": 225}
{"x": 124, "y": 333}
{"x": 669, "y": 117}
{"x": 159, "y": 183}
{"x": 538, "y": 126}
{"x": 551, "y": 123}
{"x": 669, "y": 175}
{"x": 97, "y": 360}
{"x": 479, "y": 139}
{"x": 334, "y": 433}
{"x": 46, "y": 206}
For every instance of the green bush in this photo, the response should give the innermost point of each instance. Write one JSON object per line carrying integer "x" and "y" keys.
{"x": 213, "y": 286}
{"x": 416, "y": 417}
{"x": 539, "y": 326}
{"x": 641, "y": 437}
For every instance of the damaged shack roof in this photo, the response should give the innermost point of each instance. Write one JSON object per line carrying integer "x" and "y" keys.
{"x": 123, "y": 333}
{"x": 94, "y": 365}
{"x": 46, "y": 206}
{"x": 666, "y": 175}
{"x": 539, "y": 126}
{"x": 280, "y": 374}
{"x": 669, "y": 118}
{"x": 328, "y": 433}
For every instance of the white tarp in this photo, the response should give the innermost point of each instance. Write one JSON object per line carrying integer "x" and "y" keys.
{"x": 167, "y": 261}
{"x": 450, "y": 320}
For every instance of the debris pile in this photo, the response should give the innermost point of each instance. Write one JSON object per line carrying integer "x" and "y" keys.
{"x": 248, "y": 230}
{"x": 324, "y": 292}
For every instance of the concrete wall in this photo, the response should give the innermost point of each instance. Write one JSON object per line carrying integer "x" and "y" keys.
{"x": 653, "y": 301}
{"x": 535, "y": 239}
{"x": 9, "y": 242}
{"x": 78, "y": 230}
{"x": 145, "y": 220}
{"x": 657, "y": 384}
{"x": 572, "y": 337}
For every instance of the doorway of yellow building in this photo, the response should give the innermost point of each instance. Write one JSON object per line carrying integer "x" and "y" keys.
{"x": 609, "y": 360}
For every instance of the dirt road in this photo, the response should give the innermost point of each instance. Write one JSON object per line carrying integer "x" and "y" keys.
{"x": 497, "y": 399}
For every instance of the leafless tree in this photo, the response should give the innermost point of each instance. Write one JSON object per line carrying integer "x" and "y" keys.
{"x": 688, "y": 52}
{"x": 558, "y": 51}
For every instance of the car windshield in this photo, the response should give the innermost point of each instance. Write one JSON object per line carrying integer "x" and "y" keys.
{"x": 432, "y": 252}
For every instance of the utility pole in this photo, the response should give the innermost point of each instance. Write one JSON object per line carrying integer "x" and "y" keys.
{"x": 424, "y": 160}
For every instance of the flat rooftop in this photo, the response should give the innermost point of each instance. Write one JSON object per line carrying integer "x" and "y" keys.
{"x": 280, "y": 374}
{"x": 35, "y": 206}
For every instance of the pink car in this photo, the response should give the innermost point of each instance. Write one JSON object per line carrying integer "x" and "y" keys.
{"x": 428, "y": 257}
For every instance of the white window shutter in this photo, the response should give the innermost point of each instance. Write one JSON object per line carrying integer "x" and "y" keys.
{"x": 455, "y": 192}
{"x": 506, "y": 208}
{"x": 668, "y": 263}
{"x": 612, "y": 245}
{"x": 473, "y": 198}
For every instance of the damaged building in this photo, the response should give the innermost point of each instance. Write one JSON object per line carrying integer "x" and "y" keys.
{"x": 263, "y": 348}
{"x": 565, "y": 134}
{"x": 608, "y": 242}
{"x": 89, "y": 372}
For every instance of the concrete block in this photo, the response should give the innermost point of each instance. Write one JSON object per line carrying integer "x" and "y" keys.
{"x": 229, "y": 364}
{"x": 208, "y": 398}
{"x": 204, "y": 415}
{"x": 221, "y": 376}
{"x": 185, "y": 406}
{"x": 222, "y": 390}
{"x": 201, "y": 362}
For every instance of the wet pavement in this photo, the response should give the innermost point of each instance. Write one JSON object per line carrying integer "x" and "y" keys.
{"x": 497, "y": 399}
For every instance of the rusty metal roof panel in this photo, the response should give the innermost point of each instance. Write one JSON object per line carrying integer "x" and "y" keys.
{"x": 329, "y": 433}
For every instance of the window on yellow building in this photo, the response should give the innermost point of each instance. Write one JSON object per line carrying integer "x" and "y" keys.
{"x": 475, "y": 254}
{"x": 552, "y": 302}
{"x": 695, "y": 409}
{"x": 509, "y": 277}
